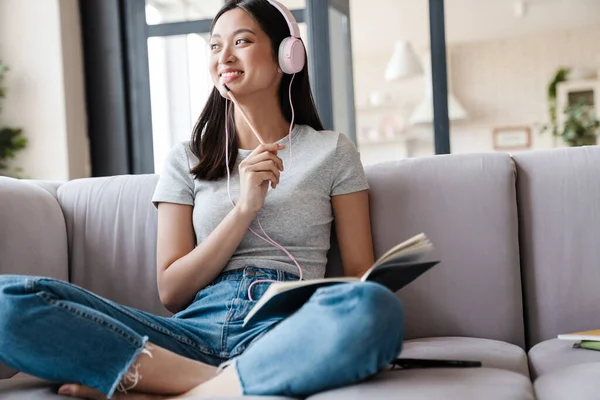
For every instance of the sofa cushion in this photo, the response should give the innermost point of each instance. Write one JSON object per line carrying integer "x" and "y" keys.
{"x": 503, "y": 364}
{"x": 466, "y": 204}
{"x": 24, "y": 387}
{"x": 574, "y": 382}
{"x": 437, "y": 383}
{"x": 491, "y": 353}
{"x": 555, "y": 354}
{"x": 559, "y": 216}
{"x": 111, "y": 226}
{"x": 504, "y": 374}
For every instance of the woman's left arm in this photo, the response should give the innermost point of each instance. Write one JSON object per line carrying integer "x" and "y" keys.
{"x": 353, "y": 229}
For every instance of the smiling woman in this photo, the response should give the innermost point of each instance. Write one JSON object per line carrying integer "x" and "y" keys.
{"x": 212, "y": 265}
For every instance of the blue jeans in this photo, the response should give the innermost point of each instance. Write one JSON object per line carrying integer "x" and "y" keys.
{"x": 60, "y": 332}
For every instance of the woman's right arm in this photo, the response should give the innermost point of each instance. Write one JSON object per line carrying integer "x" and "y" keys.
{"x": 182, "y": 269}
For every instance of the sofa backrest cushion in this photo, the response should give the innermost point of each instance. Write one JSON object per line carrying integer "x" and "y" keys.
{"x": 111, "y": 227}
{"x": 559, "y": 214}
{"x": 466, "y": 204}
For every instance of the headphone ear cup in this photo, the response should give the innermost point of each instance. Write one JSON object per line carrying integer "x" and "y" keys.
{"x": 292, "y": 55}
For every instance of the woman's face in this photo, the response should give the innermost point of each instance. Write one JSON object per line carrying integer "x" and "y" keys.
{"x": 242, "y": 55}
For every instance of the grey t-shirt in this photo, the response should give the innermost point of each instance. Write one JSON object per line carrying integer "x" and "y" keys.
{"x": 297, "y": 214}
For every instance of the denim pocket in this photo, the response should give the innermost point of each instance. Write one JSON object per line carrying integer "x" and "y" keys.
{"x": 241, "y": 306}
{"x": 237, "y": 309}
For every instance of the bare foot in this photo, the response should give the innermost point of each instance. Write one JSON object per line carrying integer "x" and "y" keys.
{"x": 85, "y": 392}
{"x": 226, "y": 383}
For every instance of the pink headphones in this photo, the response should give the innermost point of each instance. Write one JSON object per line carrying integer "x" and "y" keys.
{"x": 292, "y": 54}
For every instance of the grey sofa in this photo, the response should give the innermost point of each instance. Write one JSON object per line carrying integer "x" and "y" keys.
{"x": 519, "y": 240}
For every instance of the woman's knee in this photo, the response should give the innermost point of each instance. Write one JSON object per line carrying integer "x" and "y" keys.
{"x": 363, "y": 314}
{"x": 379, "y": 320}
{"x": 379, "y": 306}
{"x": 369, "y": 308}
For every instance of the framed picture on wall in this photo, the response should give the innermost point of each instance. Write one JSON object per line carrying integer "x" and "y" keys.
{"x": 512, "y": 138}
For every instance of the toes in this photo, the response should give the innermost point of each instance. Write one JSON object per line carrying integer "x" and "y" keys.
{"x": 75, "y": 390}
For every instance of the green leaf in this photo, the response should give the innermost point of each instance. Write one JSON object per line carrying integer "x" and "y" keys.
{"x": 559, "y": 76}
{"x": 581, "y": 126}
{"x": 11, "y": 141}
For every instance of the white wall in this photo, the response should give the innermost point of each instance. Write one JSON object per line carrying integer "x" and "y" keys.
{"x": 40, "y": 41}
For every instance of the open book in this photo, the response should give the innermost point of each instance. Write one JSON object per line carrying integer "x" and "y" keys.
{"x": 395, "y": 269}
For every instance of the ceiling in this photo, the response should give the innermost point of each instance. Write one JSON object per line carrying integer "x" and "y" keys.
{"x": 465, "y": 20}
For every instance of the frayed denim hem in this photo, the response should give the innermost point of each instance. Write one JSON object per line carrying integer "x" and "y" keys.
{"x": 128, "y": 375}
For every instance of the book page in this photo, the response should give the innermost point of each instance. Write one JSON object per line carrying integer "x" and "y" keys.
{"x": 416, "y": 241}
{"x": 409, "y": 250}
{"x": 278, "y": 287}
{"x": 584, "y": 335}
{"x": 283, "y": 298}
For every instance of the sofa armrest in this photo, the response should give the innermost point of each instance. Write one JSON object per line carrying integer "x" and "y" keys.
{"x": 33, "y": 236}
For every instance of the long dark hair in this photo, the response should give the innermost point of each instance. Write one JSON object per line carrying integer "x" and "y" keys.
{"x": 208, "y": 136}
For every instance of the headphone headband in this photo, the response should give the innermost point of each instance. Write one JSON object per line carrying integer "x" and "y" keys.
{"x": 289, "y": 18}
{"x": 291, "y": 54}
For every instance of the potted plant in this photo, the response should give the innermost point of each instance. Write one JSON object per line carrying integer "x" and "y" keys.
{"x": 581, "y": 126}
{"x": 11, "y": 139}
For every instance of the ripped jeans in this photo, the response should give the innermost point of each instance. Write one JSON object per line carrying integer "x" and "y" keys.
{"x": 60, "y": 332}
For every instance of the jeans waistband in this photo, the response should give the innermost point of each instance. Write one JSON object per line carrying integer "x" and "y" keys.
{"x": 252, "y": 271}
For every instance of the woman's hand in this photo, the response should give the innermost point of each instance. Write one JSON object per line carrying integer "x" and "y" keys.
{"x": 256, "y": 171}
